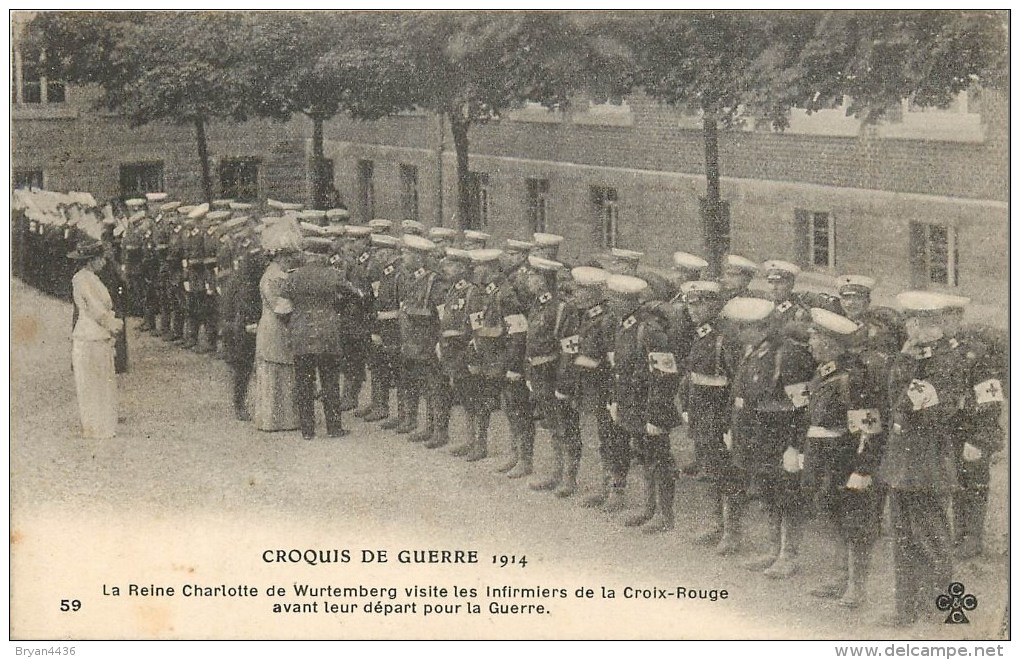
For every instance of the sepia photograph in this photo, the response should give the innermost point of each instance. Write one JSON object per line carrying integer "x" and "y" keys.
{"x": 510, "y": 325}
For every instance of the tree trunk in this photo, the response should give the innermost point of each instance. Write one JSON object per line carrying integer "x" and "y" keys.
{"x": 459, "y": 129}
{"x": 715, "y": 235}
{"x": 320, "y": 187}
{"x": 440, "y": 139}
{"x": 203, "y": 158}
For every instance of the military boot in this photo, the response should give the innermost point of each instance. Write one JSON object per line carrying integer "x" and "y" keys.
{"x": 441, "y": 428}
{"x": 380, "y": 408}
{"x": 480, "y": 449}
{"x": 513, "y": 456}
{"x": 349, "y": 398}
{"x": 648, "y": 510}
{"x": 556, "y": 475}
{"x": 775, "y": 543}
{"x": 617, "y": 498}
{"x": 425, "y": 433}
{"x": 474, "y": 421}
{"x": 394, "y": 422}
{"x": 713, "y": 534}
{"x": 410, "y": 421}
{"x": 664, "y": 520}
{"x": 786, "y": 563}
{"x": 568, "y": 486}
{"x": 598, "y": 498}
{"x": 733, "y": 532}
{"x": 835, "y": 587}
{"x": 859, "y": 559}
{"x": 526, "y": 449}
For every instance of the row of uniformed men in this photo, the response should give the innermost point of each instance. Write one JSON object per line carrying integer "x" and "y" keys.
{"x": 803, "y": 408}
{"x": 766, "y": 421}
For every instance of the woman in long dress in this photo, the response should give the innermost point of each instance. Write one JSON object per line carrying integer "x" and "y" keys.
{"x": 92, "y": 346}
{"x": 275, "y": 408}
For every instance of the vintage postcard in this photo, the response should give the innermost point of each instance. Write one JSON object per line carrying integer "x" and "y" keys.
{"x": 559, "y": 325}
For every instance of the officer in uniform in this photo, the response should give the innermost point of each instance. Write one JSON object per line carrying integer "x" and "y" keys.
{"x": 588, "y": 377}
{"x": 373, "y": 271}
{"x": 790, "y": 309}
{"x": 547, "y": 245}
{"x": 747, "y": 320}
{"x": 517, "y": 404}
{"x": 175, "y": 295}
{"x": 131, "y": 266}
{"x": 452, "y": 348}
{"x": 192, "y": 251}
{"x": 381, "y": 226}
{"x": 551, "y": 339}
{"x": 490, "y": 330}
{"x": 155, "y": 243}
{"x": 385, "y": 351}
{"x": 354, "y": 265}
{"x": 240, "y": 309}
{"x": 882, "y": 327}
{"x": 927, "y": 382}
{"x": 709, "y": 367}
{"x": 768, "y": 427}
{"x": 976, "y": 430}
{"x": 737, "y": 274}
{"x": 412, "y": 228}
{"x": 841, "y": 452}
{"x": 419, "y": 329}
{"x": 210, "y": 302}
{"x": 646, "y": 377}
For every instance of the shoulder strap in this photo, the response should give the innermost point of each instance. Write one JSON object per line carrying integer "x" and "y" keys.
{"x": 559, "y": 318}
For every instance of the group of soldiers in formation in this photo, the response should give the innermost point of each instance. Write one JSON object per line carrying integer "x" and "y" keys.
{"x": 813, "y": 404}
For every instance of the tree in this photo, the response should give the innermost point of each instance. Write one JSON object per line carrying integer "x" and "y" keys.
{"x": 472, "y": 67}
{"x": 757, "y": 65}
{"x": 320, "y": 64}
{"x": 183, "y": 67}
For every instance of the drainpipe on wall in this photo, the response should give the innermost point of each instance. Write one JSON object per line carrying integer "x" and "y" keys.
{"x": 440, "y": 135}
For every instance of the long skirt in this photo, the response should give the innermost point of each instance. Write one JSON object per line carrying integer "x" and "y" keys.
{"x": 274, "y": 405}
{"x": 96, "y": 386}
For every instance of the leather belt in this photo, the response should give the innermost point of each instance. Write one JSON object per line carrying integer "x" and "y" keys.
{"x": 453, "y": 333}
{"x": 388, "y": 316}
{"x": 705, "y": 380}
{"x": 541, "y": 359}
{"x": 820, "y": 432}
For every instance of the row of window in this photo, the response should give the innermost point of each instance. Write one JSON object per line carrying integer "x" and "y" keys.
{"x": 933, "y": 247}
{"x": 29, "y": 86}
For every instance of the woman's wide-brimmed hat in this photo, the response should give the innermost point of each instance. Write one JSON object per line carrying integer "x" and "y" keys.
{"x": 86, "y": 250}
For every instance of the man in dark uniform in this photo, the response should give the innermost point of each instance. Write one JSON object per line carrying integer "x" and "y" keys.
{"x": 453, "y": 346}
{"x": 736, "y": 277}
{"x": 353, "y": 262}
{"x": 131, "y": 265}
{"x": 475, "y": 240}
{"x": 193, "y": 270}
{"x": 240, "y": 311}
{"x": 155, "y": 243}
{"x": 486, "y": 355}
{"x": 841, "y": 452}
{"x": 768, "y": 427}
{"x": 551, "y": 339}
{"x": 977, "y": 432}
{"x": 882, "y": 327}
{"x": 646, "y": 377}
{"x": 590, "y": 378}
{"x": 709, "y": 367}
{"x": 419, "y": 329}
{"x": 172, "y": 274}
{"x": 927, "y": 382}
{"x": 312, "y": 295}
{"x": 516, "y": 398}
{"x": 385, "y": 337}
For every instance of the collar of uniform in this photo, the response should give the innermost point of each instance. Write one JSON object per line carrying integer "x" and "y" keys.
{"x": 595, "y": 311}
{"x": 420, "y": 273}
{"x": 177, "y": 229}
{"x": 704, "y": 329}
{"x": 544, "y": 298}
{"x": 462, "y": 284}
{"x": 365, "y": 256}
{"x": 783, "y": 306}
{"x": 491, "y": 288}
{"x": 628, "y": 322}
{"x": 335, "y": 259}
{"x": 389, "y": 269}
{"x": 920, "y": 352}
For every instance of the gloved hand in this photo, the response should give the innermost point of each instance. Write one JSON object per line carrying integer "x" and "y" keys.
{"x": 971, "y": 453}
{"x": 611, "y": 407}
{"x": 513, "y": 376}
{"x": 652, "y": 429}
{"x": 858, "y": 482}
{"x": 561, "y": 396}
{"x": 251, "y": 328}
{"x": 792, "y": 460}
{"x": 377, "y": 340}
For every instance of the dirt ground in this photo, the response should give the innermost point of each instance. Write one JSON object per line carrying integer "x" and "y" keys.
{"x": 187, "y": 493}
